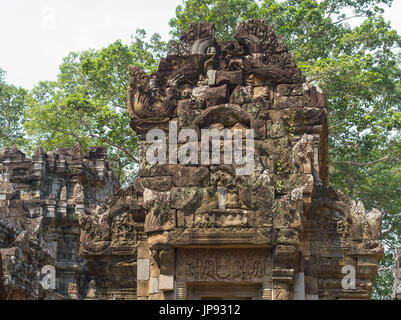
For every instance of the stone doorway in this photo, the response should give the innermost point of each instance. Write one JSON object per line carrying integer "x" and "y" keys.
{"x": 224, "y": 291}
{"x": 223, "y": 273}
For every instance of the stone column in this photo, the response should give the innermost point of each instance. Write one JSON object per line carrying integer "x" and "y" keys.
{"x": 282, "y": 284}
{"x": 167, "y": 271}
{"x": 143, "y": 270}
{"x": 162, "y": 270}
{"x": 267, "y": 291}
{"x": 284, "y": 266}
{"x": 299, "y": 286}
{"x": 180, "y": 290}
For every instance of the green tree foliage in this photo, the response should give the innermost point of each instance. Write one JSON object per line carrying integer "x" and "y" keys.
{"x": 358, "y": 67}
{"x": 224, "y": 14}
{"x": 12, "y": 104}
{"x": 87, "y": 103}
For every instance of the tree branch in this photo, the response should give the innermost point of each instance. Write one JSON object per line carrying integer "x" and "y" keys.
{"x": 349, "y": 18}
{"x": 384, "y": 269}
{"x": 122, "y": 149}
{"x": 362, "y": 164}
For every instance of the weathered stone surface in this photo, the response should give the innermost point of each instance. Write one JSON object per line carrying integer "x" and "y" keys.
{"x": 232, "y": 78}
{"x": 215, "y": 96}
{"x": 157, "y": 184}
{"x": 166, "y": 282}
{"x": 187, "y": 199}
{"x": 143, "y": 288}
{"x": 211, "y": 265}
{"x": 190, "y": 176}
{"x": 142, "y": 269}
{"x": 256, "y": 37}
{"x": 280, "y": 228}
{"x": 40, "y": 201}
{"x": 241, "y": 95}
{"x": 160, "y": 217}
{"x": 109, "y": 242}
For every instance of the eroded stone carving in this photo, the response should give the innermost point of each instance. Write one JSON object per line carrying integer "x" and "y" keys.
{"x": 223, "y": 264}
{"x": 109, "y": 241}
{"x": 40, "y": 199}
{"x": 283, "y": 210}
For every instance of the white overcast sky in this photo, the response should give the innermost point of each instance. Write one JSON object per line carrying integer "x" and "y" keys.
{"x": 36, "y": 34}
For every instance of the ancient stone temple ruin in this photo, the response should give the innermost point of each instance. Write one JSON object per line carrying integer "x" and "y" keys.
{"x": 40, "y": 201}
{"x": 205, "y": 227}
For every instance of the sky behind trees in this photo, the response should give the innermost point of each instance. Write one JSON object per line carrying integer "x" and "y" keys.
{"x": 36, "y": 35}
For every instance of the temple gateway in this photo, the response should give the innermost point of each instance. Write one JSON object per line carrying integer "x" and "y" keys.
{"x": 201, "y": 230}
{"x": 281, "y": 231}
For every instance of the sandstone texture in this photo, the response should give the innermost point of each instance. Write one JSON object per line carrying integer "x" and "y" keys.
{"x": 200, "y": 230}
{"x": 40, "y": 201}
{"x": 206, "y": 227}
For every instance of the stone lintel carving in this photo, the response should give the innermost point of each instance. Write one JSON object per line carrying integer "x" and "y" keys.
{"x": 223, "y": 265}
{"x": 221, "y": 237}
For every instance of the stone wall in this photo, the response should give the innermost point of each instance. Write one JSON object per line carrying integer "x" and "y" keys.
{"x": 2, "y": 291}
{"x": 200, "y": 229}
{"x": 110, "y": 239}
{"x": 23, "y": 253}
{"x": 40, "y": 200}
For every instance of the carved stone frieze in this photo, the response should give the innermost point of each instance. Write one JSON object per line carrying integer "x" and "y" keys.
{"x": 40, "y": 200}
{"x": 223, "y": 264}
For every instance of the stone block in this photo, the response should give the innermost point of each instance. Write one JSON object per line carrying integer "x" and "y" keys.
{"x": 143, "y": 250}
{"x": 154, "y": 285}
{"x": 187, "y": 199}
{"x": 143, "y": 269}
{"x": 232, "y": 78}
{"x": 157, "y": 184}
{"x": 166, "y": 282}
{"x": 190, "y": 176}
{"x": 142, "y": 288}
